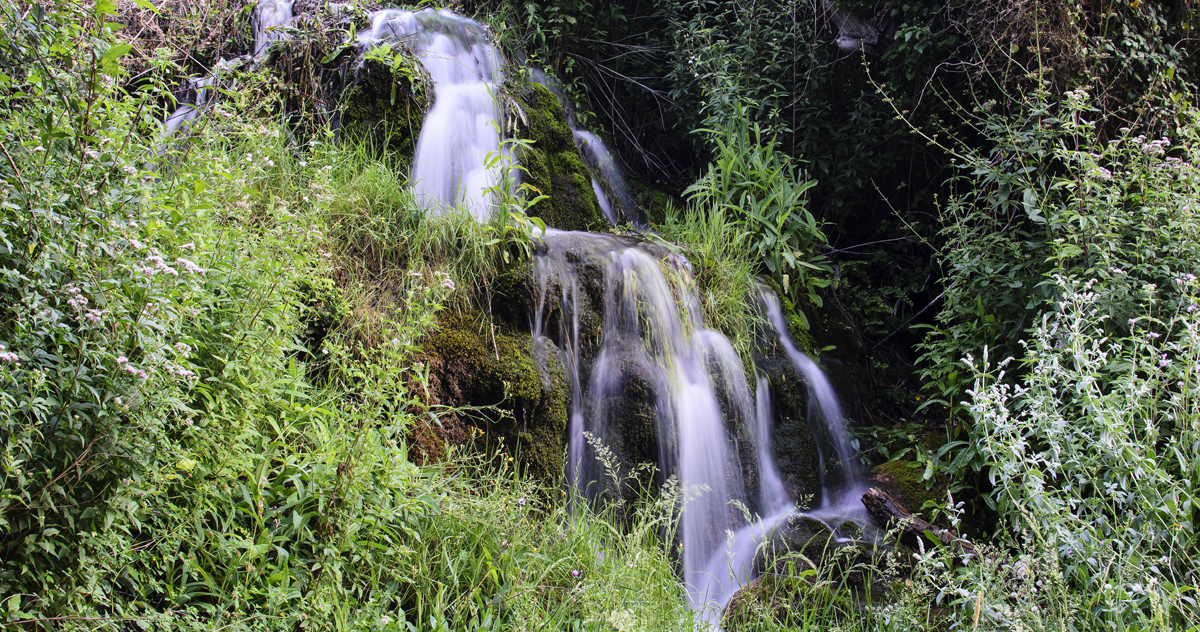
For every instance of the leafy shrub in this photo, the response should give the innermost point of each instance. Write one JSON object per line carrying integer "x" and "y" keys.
{"x": 755, "y": 184}
{"x": 1088, "y": 245}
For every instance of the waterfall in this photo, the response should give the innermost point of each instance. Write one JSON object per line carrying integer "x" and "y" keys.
{"x": 455, "y": 161}
{"x": 629, "y": 327}
{"x": 608, "y": 181}
{"x": 654, "y": 334}
{"x": 842, "y": 488}
{"x": 772, "y": 495}
{"x": 269, "y": 15}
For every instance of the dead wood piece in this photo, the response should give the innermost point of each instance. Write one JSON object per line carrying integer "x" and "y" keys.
{"x": 914, "y": 531}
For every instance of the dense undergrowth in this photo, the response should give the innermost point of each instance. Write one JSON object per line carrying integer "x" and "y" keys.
{"x": 209, "y": 370}
{"x": 184, "y": 448}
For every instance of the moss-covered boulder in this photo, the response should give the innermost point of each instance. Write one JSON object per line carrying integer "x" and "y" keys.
{"x": 904, "y": 481}
{"x": 520, "y": 398}
{"x": 384, "y": 105}
{"x": 553, "y": 164}
{"x": 653, "y": 200}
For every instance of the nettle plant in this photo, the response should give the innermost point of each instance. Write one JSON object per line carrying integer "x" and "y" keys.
{"x": 129, "y": 304}
{"x": 1052, "y": 196}
{"x": 1089, "y": 431}
{"x": 1095, "y": 455}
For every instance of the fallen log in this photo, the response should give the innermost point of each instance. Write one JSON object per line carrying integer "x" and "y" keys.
{"x": 914, "y": 531}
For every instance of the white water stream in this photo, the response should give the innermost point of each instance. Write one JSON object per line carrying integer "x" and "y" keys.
{"x": 653, "y": 332}
{"x": 458, "y": 153}
{"x": 269, "y": 18}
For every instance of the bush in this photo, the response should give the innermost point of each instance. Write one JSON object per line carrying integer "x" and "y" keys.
{"x": 1088, "y": 245}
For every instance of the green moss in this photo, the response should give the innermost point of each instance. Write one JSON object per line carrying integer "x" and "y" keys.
{"x": 653, "y": 202}
{"x": 553, "y": 165}
{"x": 386, "y": 109}
{"x": 902, "y": 479}
{"x": 525, "y": 401}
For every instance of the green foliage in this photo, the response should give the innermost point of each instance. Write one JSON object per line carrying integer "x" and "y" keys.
{"x": 1094, "y": 454}
{"x": 167, "y": 463}
{"x": 725, "y": 269}
{"x": 381, "y": 233}
{"x": 1052, "y": 196}
{"x": 112, "y": 321}
{"x": 1088, "y": 245}
{"x": 754, "y": 182}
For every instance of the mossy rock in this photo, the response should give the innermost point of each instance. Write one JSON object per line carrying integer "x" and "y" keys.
{"x": 511, "y": 296}
{"x": 903, "y": 481}
{"x": 523, "y": 396}
{"x": 784, "y": 598}
{"x": 553, "y": 165}
{"x": 653, "y": 201}
{"x": 387, "y": 109}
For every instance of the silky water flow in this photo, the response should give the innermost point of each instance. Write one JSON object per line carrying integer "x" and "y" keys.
{"x": 652, "y": 326}
{"x": 653, "y": 332}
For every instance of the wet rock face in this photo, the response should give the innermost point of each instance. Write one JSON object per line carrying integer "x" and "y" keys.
{"x": 553, "y": 164}
{"x": 797, "y": 453}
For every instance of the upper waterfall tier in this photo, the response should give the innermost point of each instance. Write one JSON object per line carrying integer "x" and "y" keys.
{"x": 455, "y": 161}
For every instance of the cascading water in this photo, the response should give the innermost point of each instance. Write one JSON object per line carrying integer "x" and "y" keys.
{"x": 653, "y": 333}
{"x": 608, "y": 182}
{"x": 453, "y": 164}
{"x": 841, "y": 488}
{"x": 652, "y": 338}
{"x": 772, "y": 495}
{"x": 269, "y": 15}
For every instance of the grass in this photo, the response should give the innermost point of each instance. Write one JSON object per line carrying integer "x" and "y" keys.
{"x": 724, "y": 267}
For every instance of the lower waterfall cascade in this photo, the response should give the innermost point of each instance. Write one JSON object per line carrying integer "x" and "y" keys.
{"x": 654, "y": 333}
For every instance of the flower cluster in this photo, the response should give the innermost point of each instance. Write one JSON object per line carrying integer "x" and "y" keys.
{"x": 123, "y": 362}
{"x": 179, "y": 371}
{"x": 189, "y": 266}
{"x": 157, "y": 265}
{"x": 8, "y": 356}
{"x": 77, "y": 301}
